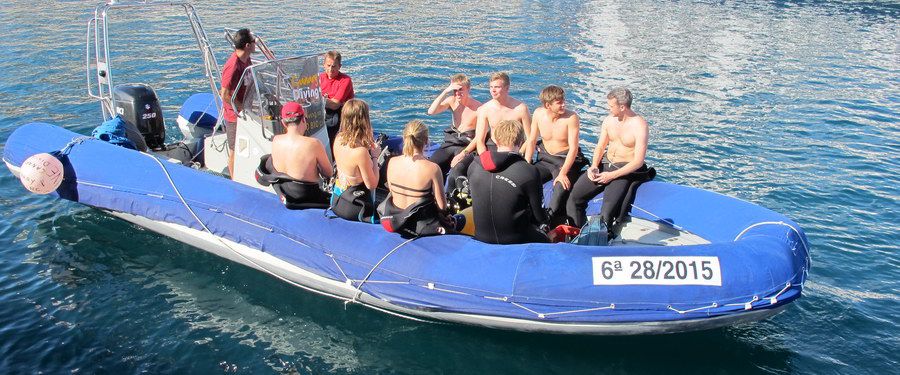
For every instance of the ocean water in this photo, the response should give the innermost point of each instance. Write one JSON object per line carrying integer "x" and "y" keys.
{"x": 792, "y": 105}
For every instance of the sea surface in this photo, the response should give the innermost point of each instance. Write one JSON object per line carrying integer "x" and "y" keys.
{"x": 792, "y": 105}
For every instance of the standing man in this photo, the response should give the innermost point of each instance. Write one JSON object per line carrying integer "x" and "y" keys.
{"x": 300, "y": 157}
{"x": 244, "y": 46}
{"x": 558, "y": 156}
{"x": 463, "y": 108}
{"x": 337, "y": 88}
{"x": 626, "y": 133}
{"x": 500, "y": 107}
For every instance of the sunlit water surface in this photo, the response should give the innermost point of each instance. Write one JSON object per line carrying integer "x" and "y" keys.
{"x": 790, "y": 105}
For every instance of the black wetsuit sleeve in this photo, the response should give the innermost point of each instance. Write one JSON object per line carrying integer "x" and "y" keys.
{"x": 535, "y": 198}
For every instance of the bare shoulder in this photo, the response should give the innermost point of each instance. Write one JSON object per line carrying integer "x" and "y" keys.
{"x": 639, "y": 121}
{"x": 484, "y": 108}
{"x": 313, "y": 143}
{"x": 607, "y": 120}
{"x": 539, "y": 111}
{"x": 521, "y": 106}
{"x": 448, "y": 101}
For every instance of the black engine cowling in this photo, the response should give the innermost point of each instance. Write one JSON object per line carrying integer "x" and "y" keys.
{"x": 139, "y": 105}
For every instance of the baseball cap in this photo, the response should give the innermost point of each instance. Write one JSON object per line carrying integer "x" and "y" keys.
{"x": 291, "y": 111}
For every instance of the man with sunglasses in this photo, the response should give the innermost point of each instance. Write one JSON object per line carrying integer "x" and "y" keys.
{"x": 300, "y": 157}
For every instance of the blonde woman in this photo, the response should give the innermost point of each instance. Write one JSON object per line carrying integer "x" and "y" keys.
{"x": 355, "y": 155}
{"x": 416, "y": 205}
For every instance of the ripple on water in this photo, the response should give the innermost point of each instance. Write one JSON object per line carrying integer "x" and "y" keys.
{"x": 791, "y": 105}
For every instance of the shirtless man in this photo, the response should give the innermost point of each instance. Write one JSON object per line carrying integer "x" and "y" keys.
{"x": 463, "y": 108}
{"x": 625, "y": 133}
{"x": 500, "y": 107}
{"x": 559, "y": 157}
{"x": 300, "y": 157}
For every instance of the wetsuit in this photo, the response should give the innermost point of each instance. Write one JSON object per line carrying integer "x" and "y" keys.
{"x": 454, "y": 142}
{"x": 294, "y": 193}
{"x": 615, "y": 194}
{"x": 506, "y": 199}
{"x": 353, "y": 202}
{"x": 549, "y": 165}
{"x": 462, "y": 168}
{"x": 421, "y": 218}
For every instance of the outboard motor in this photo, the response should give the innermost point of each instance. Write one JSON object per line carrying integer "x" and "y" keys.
{"x": 138, "y": 105}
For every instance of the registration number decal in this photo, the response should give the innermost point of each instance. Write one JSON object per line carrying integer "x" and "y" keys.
{"x": 657, "y": 270}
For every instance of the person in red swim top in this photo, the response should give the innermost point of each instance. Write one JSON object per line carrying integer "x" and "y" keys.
{"x": 337, "y": 88}
{"x": 244, "y": 46}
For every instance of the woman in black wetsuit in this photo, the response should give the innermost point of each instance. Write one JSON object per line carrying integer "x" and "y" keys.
{"x": 416, "y": 205}
{"x": 506, "y": 191}
{"x": 355, "y": 155}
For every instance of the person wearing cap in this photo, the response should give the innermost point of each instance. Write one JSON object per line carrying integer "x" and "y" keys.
{"x": 244, "y": 46}
{"x": 337, "y": 88}
{"x": 300, "y": 157}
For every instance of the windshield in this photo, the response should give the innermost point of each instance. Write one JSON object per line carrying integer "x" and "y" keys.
{"x": 279, "y": 81}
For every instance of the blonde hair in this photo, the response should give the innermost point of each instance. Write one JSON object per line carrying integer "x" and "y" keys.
{"x": 415, "y": 136}
{"x": 356, "y": 129}
{"x": 334, "y": 55}
{"x": 509, "y": 133}
{"x": 551, "y": 94}
{"x": 500, "y": 76}
{"x": 461, "y": 79}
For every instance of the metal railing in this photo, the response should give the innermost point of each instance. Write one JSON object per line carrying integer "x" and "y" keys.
{"x": 98, "y": 36}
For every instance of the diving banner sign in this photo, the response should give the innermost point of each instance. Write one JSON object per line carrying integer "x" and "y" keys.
{"x": 308, "y": 92}
{"x": 657, "y": 270}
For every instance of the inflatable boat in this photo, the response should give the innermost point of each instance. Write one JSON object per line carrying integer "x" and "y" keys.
{"x": 688, "y": 259}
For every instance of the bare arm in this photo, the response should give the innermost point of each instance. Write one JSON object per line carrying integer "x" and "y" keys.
{"x": 368, "y": 169}
{"x": 226, "y": 94}
{"x": 332, "y": 104}
{"x": 526, "y": 118}
{"x": 324, "y": 165}
{"x": 481, "y": 128}
{"x": 601, "y": 146}
{"x": 437, "y": 184}
{"x": 526, "y": 124}
{"x": 572, "y": 140}
{"x": 531, "y": 141}
{"x": 442, "y": 102}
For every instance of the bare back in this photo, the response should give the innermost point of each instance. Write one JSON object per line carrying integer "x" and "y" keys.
{"x": 555, "y": 133}
{"x": 354, "y": 166}
{"x": 300, "y": 157}
{"x": 413, "y": 178}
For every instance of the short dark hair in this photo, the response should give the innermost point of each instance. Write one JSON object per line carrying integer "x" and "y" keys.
{"x": 242, "y": 38}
